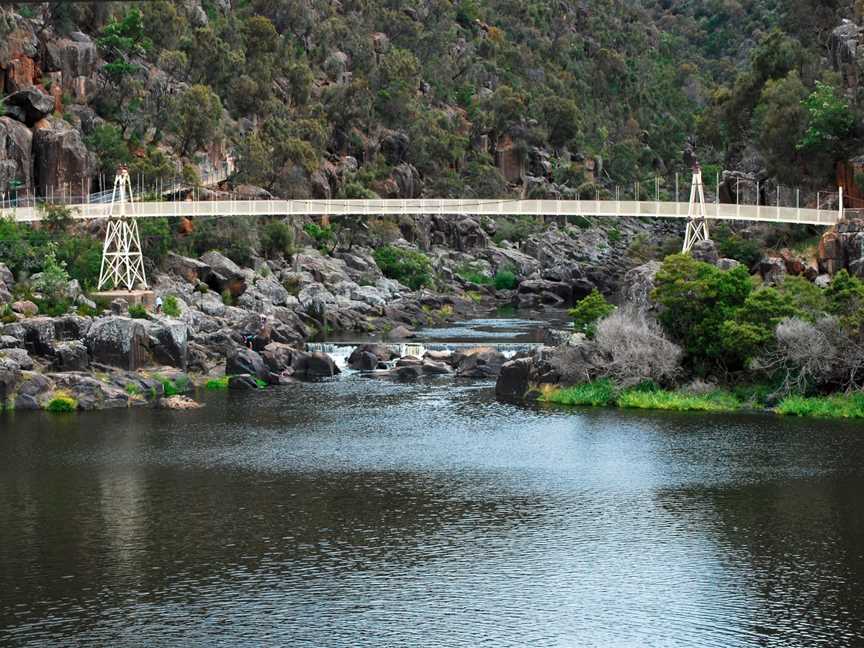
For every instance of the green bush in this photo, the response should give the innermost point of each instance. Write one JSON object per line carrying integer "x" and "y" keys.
{"x": 505, "y": 280}
{"x": 62, "y": 403}
{"x": 174, "y": 387}
{"x": 409, "y": 267}
{"x": 277, "y": 239}
{"x": 170, "y": 306}
{"x": 137, "y": 311}
{"x": 588, "y": 311}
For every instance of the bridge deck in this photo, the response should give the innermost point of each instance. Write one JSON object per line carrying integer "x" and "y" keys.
{"x": 605, "y": 208}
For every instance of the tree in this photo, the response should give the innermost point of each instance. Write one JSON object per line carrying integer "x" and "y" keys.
{"x": 779, "y": 122}
{"x": 562, "y": 119}
{"x": 696, "y": 298}
{"x": 196, "y": 117}
{"x": 829, "y": 120}
{"x": 106, "y": 141}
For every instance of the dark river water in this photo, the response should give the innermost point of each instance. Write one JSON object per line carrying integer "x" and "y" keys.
{"x": 361, "y": 512}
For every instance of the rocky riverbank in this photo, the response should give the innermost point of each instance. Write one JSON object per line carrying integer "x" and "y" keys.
{"x": 251, "y": 323}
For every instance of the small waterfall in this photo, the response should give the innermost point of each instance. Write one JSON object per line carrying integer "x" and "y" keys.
{"x": 340, "y": 351}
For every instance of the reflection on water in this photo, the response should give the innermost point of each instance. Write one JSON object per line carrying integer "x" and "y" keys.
{"x": 359, "y": 512}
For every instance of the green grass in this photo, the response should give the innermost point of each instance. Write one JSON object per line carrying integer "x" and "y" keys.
{"x": 716, "y": 401}
{"x": 137, "y": 311}
{"x": 217, "y": 383}
{"x": 600, "y": 393}
{"x": 851, "y": 406}
{"x": 132, "y": 389}
{"x": 62, "y": 403}
{"x": 174, "y": 387}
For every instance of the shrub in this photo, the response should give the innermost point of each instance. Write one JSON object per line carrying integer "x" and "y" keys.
{"x": 516, "y": 229}
{"x": 170, "y": 306}
{"x": 409, "y": 267}
{"x": 277, "y": 239}
{"x": 696, "y": 299}
{"x": 62, "y": 403}
{"x": 588, "y": 311}
{"x": 636, "y": 348}
{"x": 174, "y": 387}
{"x": 137, "y": 311}
{"x": 599, "y": 393}
{"x": 470, "y": 273}
{"x": 505, "y": 280}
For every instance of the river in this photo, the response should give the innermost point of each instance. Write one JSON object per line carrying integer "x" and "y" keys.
{"x": 363, "y": 512}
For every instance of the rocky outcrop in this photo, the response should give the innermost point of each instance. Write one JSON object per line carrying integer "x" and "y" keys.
{"x": 248, "y": 362}
{"x": 514, "y": 380}
{"x": 118, "y": 342}
{"x": 71, "y": 356}
{"x": 478, "y": 363}
{"x": 368, "y": 357}
{"x": 314, "y": 365}
{"x": 225, "y": 274}
{"x": 16, "y": 161}
{"x": 169, "y": 342}
{"x": 62, "y": 162}
{"x": 638, "y": 284}
{"x": 32, "y": 103}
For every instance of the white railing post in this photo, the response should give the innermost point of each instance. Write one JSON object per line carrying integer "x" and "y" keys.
{"x": 840, "y": 194}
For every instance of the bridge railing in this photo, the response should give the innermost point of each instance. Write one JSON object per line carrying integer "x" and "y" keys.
{"x": 383, "y": 207}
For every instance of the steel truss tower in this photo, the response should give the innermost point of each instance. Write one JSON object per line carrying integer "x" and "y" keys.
{"x": 697, "y": 225}
{"x": 122, "y": 261}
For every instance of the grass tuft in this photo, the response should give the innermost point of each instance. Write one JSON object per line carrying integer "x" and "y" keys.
{"x": 851, "y": 406}
{"x": 599, "y": 393}
{"x": 217, "y": 383}
{"x": 716, "y": 401}
{"x": 62, "y": 403}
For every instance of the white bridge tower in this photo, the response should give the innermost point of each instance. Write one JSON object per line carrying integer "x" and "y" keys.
{"x": 122, "y": 261}
{"x": 697, "y": 225}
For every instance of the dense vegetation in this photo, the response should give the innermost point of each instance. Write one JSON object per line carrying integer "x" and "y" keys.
{"x": 443, "y": 85}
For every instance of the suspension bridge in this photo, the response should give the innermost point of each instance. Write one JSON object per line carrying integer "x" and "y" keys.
{"x": 122, "y": 255}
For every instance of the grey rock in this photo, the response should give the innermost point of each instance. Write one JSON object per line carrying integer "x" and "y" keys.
{"x": 34, "y": 103}
{"x": 242, "y": 382}
{"x": 314, "y": 365}
{"x": 71, "y": 356}
{"x": 514, "y": 379}
{"x": 39, "y": 335}
{"x": 169, "y": 342}
{"x": 705, "y": 251}
{"x": 61, "y": 159}
{"x": 119, "y": 342}
{"x": 247, "y": 361}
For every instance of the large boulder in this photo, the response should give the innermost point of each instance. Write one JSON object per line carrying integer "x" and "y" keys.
{"x": 16, "y": 161}
{"x": 169, "y": 342}
{"x": 192, "y": 270}
{"x": 33, "y": 103}
{"x": 225, "y": 274}
{"x": 10, "y": 375}
{"x": 314, "y": 365}
{"x": 246, "y": 361}
{"x": 638, "y": 284}
{"x": 75, "y": 58}
{"x": 71, "y": 356}
{"x": 40, "y": 335}
{"x": 90, "y": 393}
{"x": 278, "y": 357}
{"x": 62, "y": 162}
{"x": 514, "y": 380}
{"x": 368, "y": 357}
{"x": 482, "y": 362}
{"x": 119, "y": 342}
{"x": 705, "y": 251}
{"x": 772, "y": 269}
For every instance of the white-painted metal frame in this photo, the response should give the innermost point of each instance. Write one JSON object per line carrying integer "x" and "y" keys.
{"x": 122, "y": 260}
{"x": 697, "y": 223}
